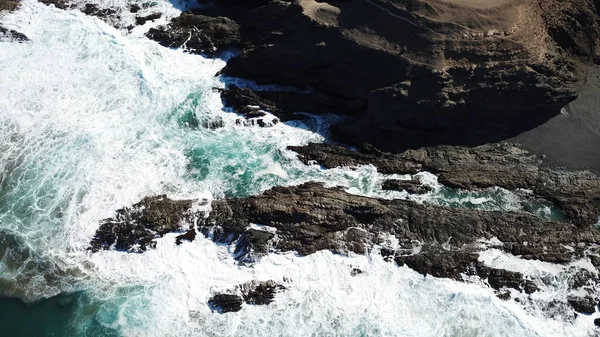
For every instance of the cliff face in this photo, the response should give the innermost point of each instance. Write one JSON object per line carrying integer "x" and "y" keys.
{"x": 450, "y": 71}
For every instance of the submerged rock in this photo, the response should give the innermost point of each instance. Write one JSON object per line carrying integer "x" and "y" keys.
{"x": 412, "y": 186}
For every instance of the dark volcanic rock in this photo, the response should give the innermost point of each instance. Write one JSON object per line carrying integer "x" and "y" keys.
{"x": 330, "y": 156}
{"x": 94, "y": 10}
{"x": 225, "y": 303}
{"x": 260, "y": 293}
{"x": 198, "y": 33}
{"x": 62, "y": 4}
{"x": 140, "y": 20}
{"x": 455, "y": 264}
{"x": 190, "y": 235}
{"x": 12, "y": 35}
{"x": 134, "y": 228}
{"x": 584, "y": 305}
{"x": 412, "y": 186}
{"x": 310, "y": 217}
{"x": 577, "y": 193}
{"x": 254, "y": 292}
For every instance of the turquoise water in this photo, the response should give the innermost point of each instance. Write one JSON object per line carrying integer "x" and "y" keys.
{"x": 93, "y": 119}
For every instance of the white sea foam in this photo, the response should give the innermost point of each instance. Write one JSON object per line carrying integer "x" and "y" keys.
{"x": 90, "y": 121}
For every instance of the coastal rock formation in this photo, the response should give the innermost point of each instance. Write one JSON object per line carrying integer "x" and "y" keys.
{"x": 198, "y": 33}
{"x": 412, "y": 186}
{"x": 309, "y": 218}
{"x": 134, "y": 228}
{"x": 254, "y": 292}
{"x": 286, "y": 104}
{"x": 433, "y": 240}
{"x": 428, "y": 71}
{"x": 577, "y": 193}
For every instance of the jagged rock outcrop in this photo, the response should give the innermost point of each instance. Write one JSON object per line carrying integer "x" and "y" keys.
{"x": 577, "y": 193}
{"x": 198, "y": 33}
{"x": 254, "y": 292}
{"x": 310, "y": 217}
{"x": 134, "y": 228}
{"x": 285, "y": 104}
{"x": 433, "y": 240}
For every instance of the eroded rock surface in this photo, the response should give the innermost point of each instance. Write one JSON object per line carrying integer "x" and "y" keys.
{"x": 413, "y": 186}
{"x": 134, "y": 228}
{"x": 577, "y": 193}
{"x": 433, "y": 240}
{"x": 199, "y": 33}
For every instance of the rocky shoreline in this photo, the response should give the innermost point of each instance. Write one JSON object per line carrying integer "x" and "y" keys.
{"x": 441, "y": 97}
{"x": 433, "y": 240}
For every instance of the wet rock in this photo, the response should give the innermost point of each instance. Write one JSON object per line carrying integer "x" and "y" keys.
{"x": 246, "y": 101}
{"x": 331, "y": 156}
{"x": 12, "y": 35}
{"x": 577, "y": 193}
{"x": 505, "y": 296}
{"x": 135, "y": 228}
{"x": 284, "y": 104}
{"x": 94, "y": 10}
{"x": 198, "y": 33}
{"x": 584, "y": 305}
{"x": 190, "y": 235}
{"x": 310, "y": 217}
{"x": 412, "y": 186}
{"x": 224, "y": 303}
{"x": 356, "y": 272}
{"x": 581, "y": 278}
{"x": 62, "y": 4}
{"x": 134, "y": 8}
{"x": 456, "y": 264}
{"x": 500, "y": 278}
{"x": 140, "y": 20}
{"x": 446, "y": 264}
{"x": 260, "y": 293}
{"x": 254, "y": 293}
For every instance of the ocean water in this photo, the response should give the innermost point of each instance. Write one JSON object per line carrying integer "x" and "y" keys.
{"x": 93, "y": 118}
